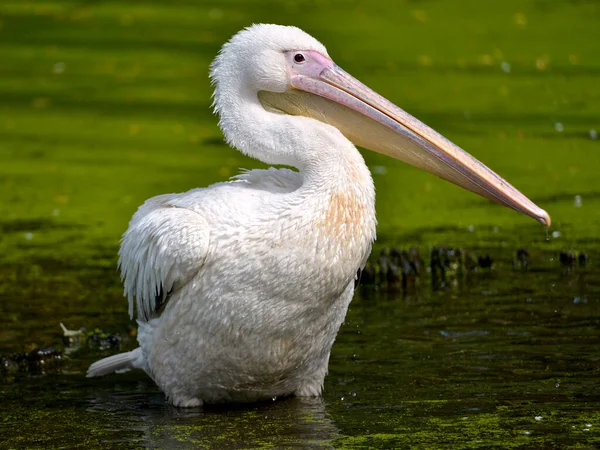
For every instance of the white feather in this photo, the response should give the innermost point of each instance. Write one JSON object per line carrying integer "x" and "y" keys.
{"x": 163, "y": 248}
{"x": 121, "y": 362}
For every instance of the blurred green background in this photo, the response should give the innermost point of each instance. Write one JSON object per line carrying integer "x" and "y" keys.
{"x": 106, "y": 103}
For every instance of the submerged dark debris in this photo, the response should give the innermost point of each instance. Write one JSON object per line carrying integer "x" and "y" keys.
{"x": 48, "y": 360}
{"x": 572, "y": 258}
{"x": 396, "y": 269}
{"x": 35, "y": 362}
{"x": 522, "y": 260}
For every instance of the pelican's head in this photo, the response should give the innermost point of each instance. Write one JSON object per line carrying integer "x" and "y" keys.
{"x": 258, "y": 55}
{"x": 290, "y": 72}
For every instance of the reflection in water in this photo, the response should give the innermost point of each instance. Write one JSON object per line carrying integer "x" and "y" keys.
{"x": 144, "y": 418}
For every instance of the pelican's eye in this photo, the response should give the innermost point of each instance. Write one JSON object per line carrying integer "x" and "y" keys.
{"x": 299, "y": 58}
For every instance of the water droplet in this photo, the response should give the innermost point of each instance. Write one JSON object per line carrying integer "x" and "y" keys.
{"x": 557, "y": 385}
{"x": 28, "y": 236}
{"x": 527, "y": 432}
{"x": 354, "y": 394}
{"x": 59, "y": 67}
{"x": 559, "y": 127}
{"x": 589, "y": 425}
{"x": 342, "y": 398}
{"x": 538, "y": 418}
{"x": 593, "y": 134}
{"x": 274, "y": 398}
{"x": 505, "y": 67}
{"x": 577, "y": 201}
{"x": 471, "y": 228}
{"x": 556, "y": 234}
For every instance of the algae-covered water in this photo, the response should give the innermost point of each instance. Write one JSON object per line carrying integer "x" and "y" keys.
{"x": 104, "y": 104}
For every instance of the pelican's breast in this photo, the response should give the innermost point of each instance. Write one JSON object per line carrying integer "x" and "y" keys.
{"x": 345, "y": 216}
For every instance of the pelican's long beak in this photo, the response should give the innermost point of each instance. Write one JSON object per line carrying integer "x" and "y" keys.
{"x": 370, "y": 121}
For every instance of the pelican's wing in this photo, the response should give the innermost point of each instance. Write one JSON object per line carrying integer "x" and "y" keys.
{"x": 163, "y": 248}
{"x": 271, "y": 179}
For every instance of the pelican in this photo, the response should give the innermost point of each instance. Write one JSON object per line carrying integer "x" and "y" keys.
{"x": 240, "y": 288}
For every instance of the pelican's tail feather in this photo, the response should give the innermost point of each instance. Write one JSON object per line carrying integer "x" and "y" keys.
{"x": 116, "y": 363}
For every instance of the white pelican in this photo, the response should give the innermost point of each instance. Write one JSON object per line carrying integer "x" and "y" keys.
{"x": 241, "y": 287}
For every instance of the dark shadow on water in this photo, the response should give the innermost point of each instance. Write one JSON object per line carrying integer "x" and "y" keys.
{"x": 136, "y": 107}
{"x": 546, "y": 200}
{"x": 480, "y": 70}
{"x": 199, "y": 109}
{"x": 23, "y": 225}
{"x": 568, "y": 197}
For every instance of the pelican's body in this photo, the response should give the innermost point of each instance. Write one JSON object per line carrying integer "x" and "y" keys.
{"x": 241, "y": 287}
{"x": 259, "y": 319}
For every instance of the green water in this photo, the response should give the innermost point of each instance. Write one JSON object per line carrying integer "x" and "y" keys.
{"x": 104, "y": 104}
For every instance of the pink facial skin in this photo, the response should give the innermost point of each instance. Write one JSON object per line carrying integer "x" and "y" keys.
{"x": 313, "y": 65}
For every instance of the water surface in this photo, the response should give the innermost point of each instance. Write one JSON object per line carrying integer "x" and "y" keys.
{"x": 104, "y": 104}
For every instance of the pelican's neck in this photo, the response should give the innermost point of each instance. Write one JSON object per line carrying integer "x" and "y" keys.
{"x": 325, "y": 157}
